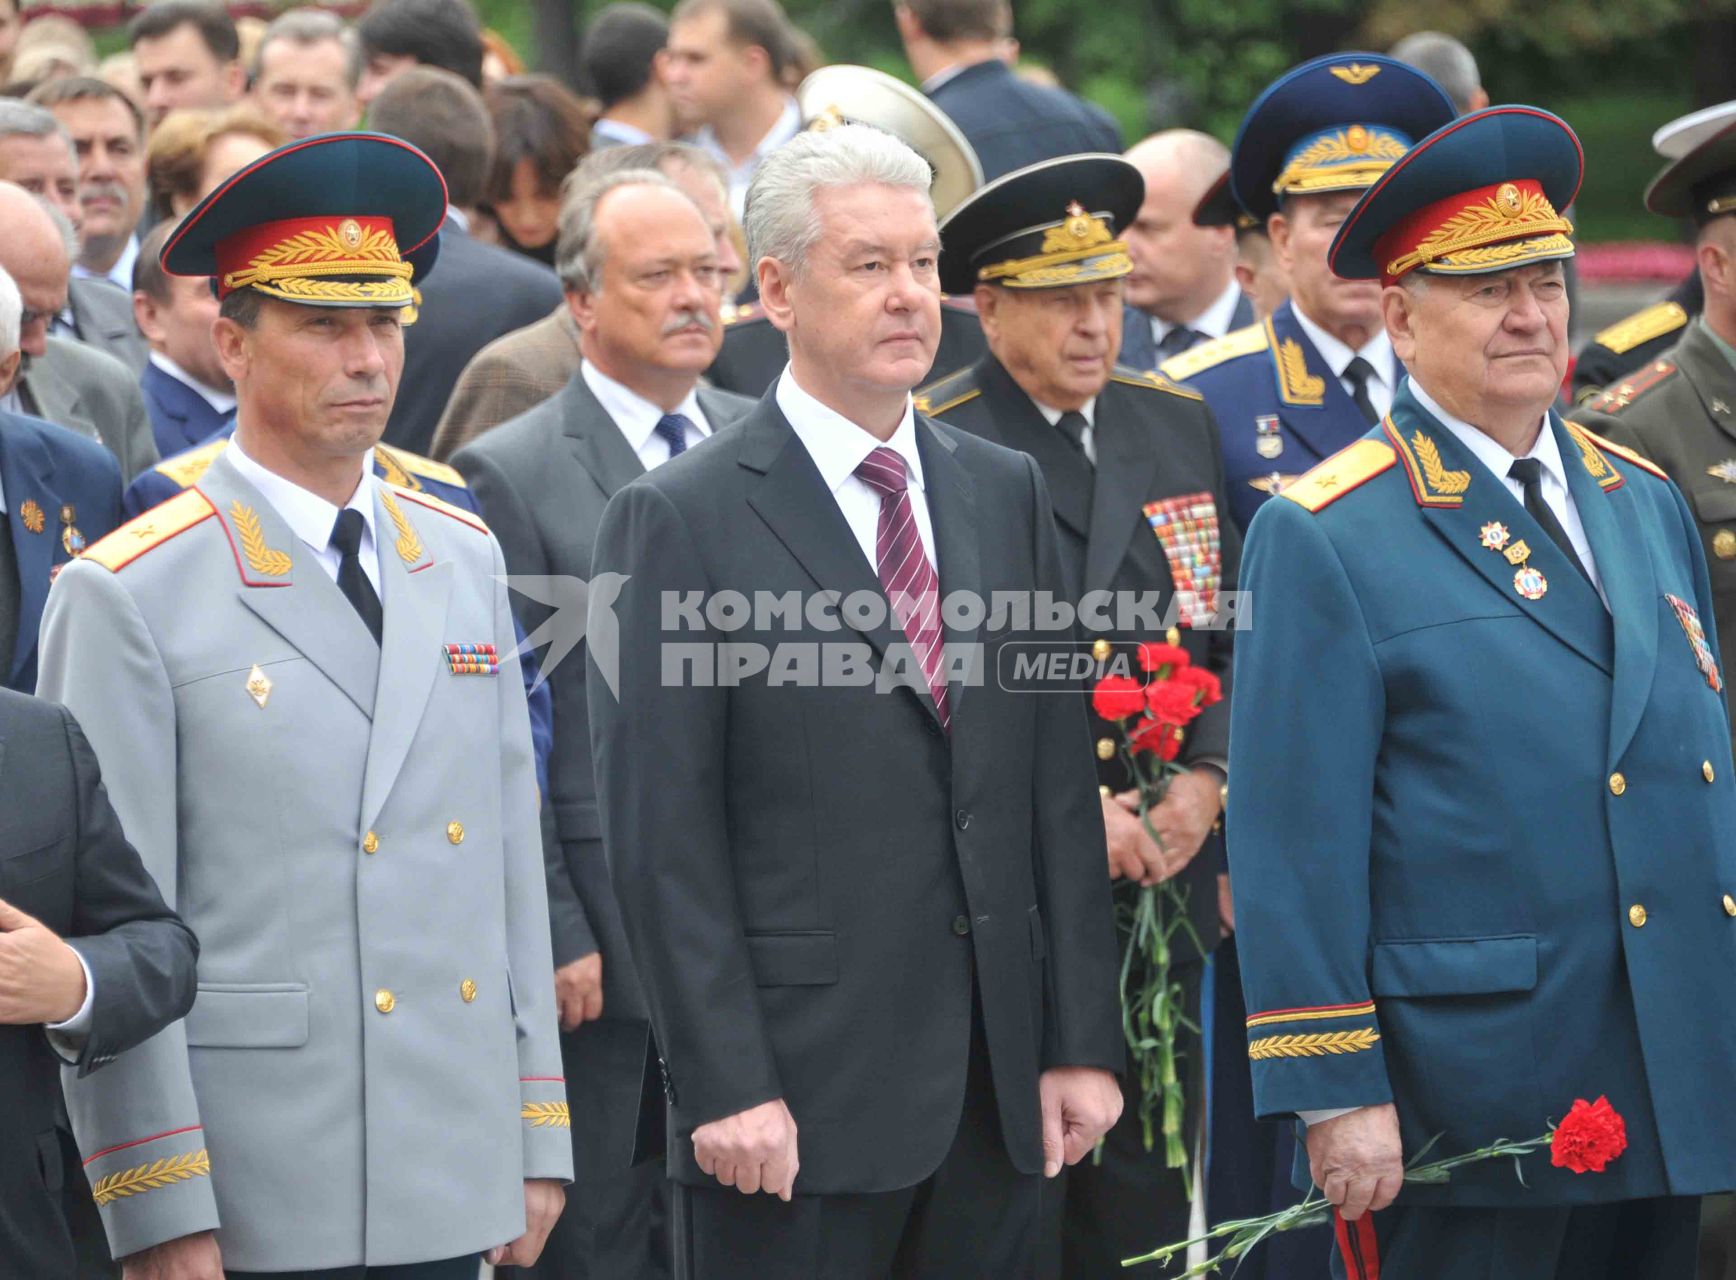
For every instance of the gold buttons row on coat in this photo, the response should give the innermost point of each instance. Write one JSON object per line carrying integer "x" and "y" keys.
{"x": 385, "y": 1001}
{"x": 454, "y": 833}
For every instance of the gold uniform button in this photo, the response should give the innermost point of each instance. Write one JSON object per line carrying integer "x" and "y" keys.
{"x": 1101, "y": 649}
{"x": 1706, "y": 770}
{"x": 1617, "y": 784}
{"x": 1637, "y": 916}
{"x": 1106, "y": 748}
{"x": 370, "y": 843}
{"x": 1103, "y": 790}
{"x": 1729, "y": 905}
{"x": 1724, "y": 544}
{"x": 467, "y": 989}
{"x": 455, "y": 832}
{"x": 385, "y": 1001}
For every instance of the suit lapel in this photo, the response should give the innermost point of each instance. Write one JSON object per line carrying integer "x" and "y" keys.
{"x": 293, "y": 596}
{"x": 596, "y": 441}
{"x": 415, "y": 592}
{"x": 1442, "y": 470}
{"x": 952, "y": 508}
{"x": 1123, "y": 479}
{"x": 1619, "y": 545}
{"x": 54, "y": 398}
{"x": 1022, "y": 426}
{"x": 1311, "y": 400}
{"x": 26, "y": 474}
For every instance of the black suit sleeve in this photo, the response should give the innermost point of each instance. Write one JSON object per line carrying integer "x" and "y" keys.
{"x": 1082, "y": 1020}
{"x": 503, "y": 508}
{"x": 141, "y": 957}
{"x": 668, "y": 852}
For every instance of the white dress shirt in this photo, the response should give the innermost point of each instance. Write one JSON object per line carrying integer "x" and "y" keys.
{"x": 1556, "y": 495}
{"x": 617, "y": 133}
{"x": 221, "y": 401}
{"x": 1377, "y": 351}
{"x": 838, "y": 446}
{"x": 1213, "y": 322}
{"x": 310, "y": 517}
{"x": 637, "y": 417}
{"x": 787, "y": 126}
{"x": 1087, "y": 437}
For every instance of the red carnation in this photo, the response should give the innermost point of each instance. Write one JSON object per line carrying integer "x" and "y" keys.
{"x": 1162, "y": 740}
{"x": 1171, "y": 701}
{"x": 1199, "y": 678}
{"x": 1155, "y": 657}
{"x": 1590, "y": 1137}
{"x": 1117, "y": 697}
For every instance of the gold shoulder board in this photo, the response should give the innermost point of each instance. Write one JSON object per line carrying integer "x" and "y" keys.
{"x": 152, "y": 529}
{"x": 187, "y": 469}
{"x": 423, "y": 498}
{"x": 1642, "y": 326}
{"x": 946, "y": 393}
{"x": 1620, "y": 451}
{"x": 1619, "y": 395}
{"x": 1208, "y": 355}
{"x": 1339, "y": 474}
{"x": 1152, "y": 381}
{"x": 425, "y": 468}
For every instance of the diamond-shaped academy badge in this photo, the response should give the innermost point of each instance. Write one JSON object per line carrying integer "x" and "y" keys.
{"x": 259, "y": 686}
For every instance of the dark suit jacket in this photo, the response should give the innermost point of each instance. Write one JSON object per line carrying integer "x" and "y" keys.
{"x": 812, "y": 875}
{"x": 475, "y": 293}
{"x": 542, "y": 480}
{"x": 1139, "y": 351}
{"x": 58, "y": 472}
{"x": 1153, "y": 441}
{"x": 1011, "y": 122}
{"x": 180, "y": 416}
{"x": 102, "y": 312}
{"x": 64, "y": 860}
{"x": 76, "y": 386}
{"x": 755, "y": 351}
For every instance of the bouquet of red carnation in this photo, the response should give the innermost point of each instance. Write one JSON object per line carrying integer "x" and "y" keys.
{"x": 1590, "y": 1136}
{"x": 1152, "y": 717}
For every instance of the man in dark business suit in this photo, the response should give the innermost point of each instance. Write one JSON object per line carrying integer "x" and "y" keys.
{"x": 639, "y": 263}
{"x": 954, "y": 48}
{"x": 1137, "y": 482}
{"x": 87, "y": 950}
{"x": 188, "y": 395}
{"x": 878, "y": 915}
{"x": 481, "y": 291}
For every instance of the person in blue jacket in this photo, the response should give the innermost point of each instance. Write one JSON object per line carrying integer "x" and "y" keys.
{"x": 1484, "y": 841}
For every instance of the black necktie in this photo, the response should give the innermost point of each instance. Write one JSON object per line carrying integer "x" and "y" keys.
{"x": 1357, "y": 373}
{"x": 1176, "y": 341}
{"x": 1529, "y": 473}
{"x": 352, "y": 580}
{"x": 1073, "y": 424}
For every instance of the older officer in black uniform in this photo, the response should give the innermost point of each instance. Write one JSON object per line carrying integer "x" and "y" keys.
{"x": 1132, "y": 461}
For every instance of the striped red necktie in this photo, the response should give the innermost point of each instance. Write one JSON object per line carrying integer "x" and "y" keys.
{"x": 905, "y": 571}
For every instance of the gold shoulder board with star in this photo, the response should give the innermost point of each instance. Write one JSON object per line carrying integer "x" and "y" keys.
{"x": 1620, "y": 451}
{"x": 946, "y": 393}
{"x": 406, "y": 469}
{"x": 422, "y": 497}
{"x": 1642, "y": 326}
{"x": 187, "y": 469}
{"x": 1619, "y": 395}
{"x": 1152, "y": 381}
{"x": 1208, "y": 355}
{"x": 150, "y": 530}
{"x": 1356, "y": 464}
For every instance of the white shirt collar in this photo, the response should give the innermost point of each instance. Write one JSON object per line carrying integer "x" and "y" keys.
{"x": 1377, "y": 350}
{"x": 221, "y": 401}
{"x": 122, "y": 271}
{"x": 786, "y": 126}
{"x": 460, "y": 219}
{"x": 309, "y": 516}
{"x": 1214, "y": 321}
{"x": 943, "y": 75}
{"x": 837, "y": 445}
{"x": 1489, "y": 451}
{"x": 620, "y": 131}
{"x": 636, "y": 416}
{"x": 1088, "y": 410}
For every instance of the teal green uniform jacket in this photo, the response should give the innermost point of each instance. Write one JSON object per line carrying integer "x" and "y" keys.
{"x": 1484, "y": 846}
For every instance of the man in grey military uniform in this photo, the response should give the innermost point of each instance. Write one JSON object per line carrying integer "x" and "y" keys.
{"x": 292, "y": 675}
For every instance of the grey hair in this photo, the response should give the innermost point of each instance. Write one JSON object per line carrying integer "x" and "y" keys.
{"x": 313, "y": 26}
{"x": 781, "y": 221}
{"x": 11, "y": 314}
{"x": 1446, "y": 61}
{"x": 578, "y": 252}
{"x": 62, "y": 224}
{"x": 20, "y": 119}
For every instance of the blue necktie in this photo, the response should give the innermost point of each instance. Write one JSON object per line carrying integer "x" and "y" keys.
{"x": 673, "y": 428}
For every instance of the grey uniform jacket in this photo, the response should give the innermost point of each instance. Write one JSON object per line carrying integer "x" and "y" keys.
{"x": 371, "y": 1067}
{"x": 76, "y": 386}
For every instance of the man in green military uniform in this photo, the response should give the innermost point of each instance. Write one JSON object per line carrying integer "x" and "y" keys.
{"x": 1124, "y": 453}
{"x": 1679, "y": 409}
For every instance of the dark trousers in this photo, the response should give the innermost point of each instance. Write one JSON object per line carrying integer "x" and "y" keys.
{"x": 1123, "y": 1200}
{"x": 1249, "y": 1160}
{"x": 973, "y": 1218}
{"x": 450, "y": 1269}
{"x": 1629, "y": 1240}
